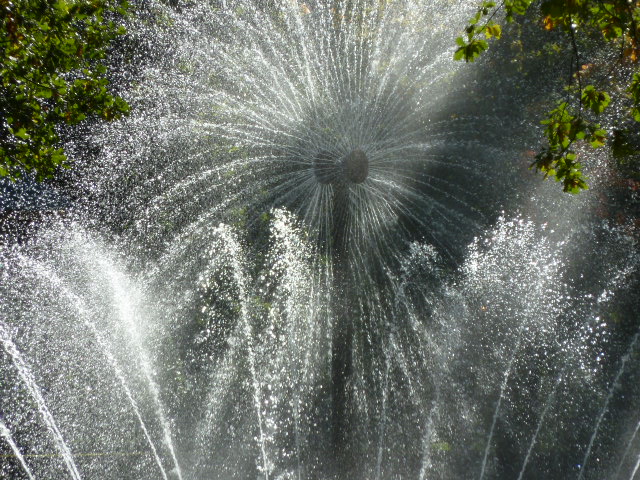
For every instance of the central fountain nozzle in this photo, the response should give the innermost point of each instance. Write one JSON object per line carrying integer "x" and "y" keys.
{"x": 355, "y": 166}
{"x": 352, "y": 168}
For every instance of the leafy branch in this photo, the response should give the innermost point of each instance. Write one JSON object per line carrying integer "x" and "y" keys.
{"x": 53, "y": 73}
{"x": 617, "y": 22}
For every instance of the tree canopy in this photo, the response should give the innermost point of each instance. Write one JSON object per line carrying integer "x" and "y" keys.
{"x": 575, "y": 118}
{"x": 53, "y": 73}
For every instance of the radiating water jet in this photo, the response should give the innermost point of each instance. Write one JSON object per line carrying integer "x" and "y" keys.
{"x": 121, "y": 297}
{"x": 627, "y": 449}
{"x": 635, "y": 469}
{"x": 545, "y": 409}
{"x": 501, "y": 396}
{"x": 239, "y": 278}
{"x": 29, "y": 382}
{"x": 615, "y": 384}
{"x": 6, "y": 434}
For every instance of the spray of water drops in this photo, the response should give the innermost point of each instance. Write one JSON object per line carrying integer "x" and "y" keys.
{"x": 290, "y": 262}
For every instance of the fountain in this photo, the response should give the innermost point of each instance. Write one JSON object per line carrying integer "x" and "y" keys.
{"x": 296, "y": 260}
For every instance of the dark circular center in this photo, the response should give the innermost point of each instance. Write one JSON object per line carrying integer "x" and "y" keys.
{"x": 354, "y": 168}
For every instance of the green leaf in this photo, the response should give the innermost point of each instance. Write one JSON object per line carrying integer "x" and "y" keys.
{"x": 22, "y": 133}
{"x": 44, "y": 93}
{"x": 58, "y": 157}
{"x": 598, "y": 138}
{"x": 596, "y": 100}
{"x": 62, "y": 6}
{"x": 493, "y": 31}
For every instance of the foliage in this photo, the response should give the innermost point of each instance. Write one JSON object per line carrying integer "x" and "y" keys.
{"x": 573, "y": 120}
{"x": 52, "y": 74}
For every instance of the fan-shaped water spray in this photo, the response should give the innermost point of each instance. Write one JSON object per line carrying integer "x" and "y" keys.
{"x": 295, "y": 260}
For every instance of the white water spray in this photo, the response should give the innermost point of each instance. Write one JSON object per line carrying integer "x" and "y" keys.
{"x": 6, "y": 434}
{"x": 30, "y": 383}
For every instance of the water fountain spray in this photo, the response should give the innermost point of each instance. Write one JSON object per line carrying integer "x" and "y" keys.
{"x": 310, "y": 253}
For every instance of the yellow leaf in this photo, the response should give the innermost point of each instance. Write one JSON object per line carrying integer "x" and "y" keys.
{"x": 493, "y": 31}
{"x": 548, "y": 23}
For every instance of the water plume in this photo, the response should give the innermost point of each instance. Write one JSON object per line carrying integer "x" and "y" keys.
{"x": 311, "y": 252}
